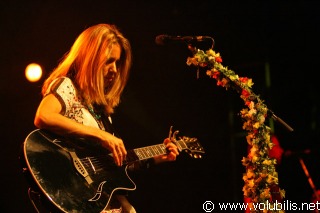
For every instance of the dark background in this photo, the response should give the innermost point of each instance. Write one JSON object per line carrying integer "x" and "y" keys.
{"x": 164, "y": 91}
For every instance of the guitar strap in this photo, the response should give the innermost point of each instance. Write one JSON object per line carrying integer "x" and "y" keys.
{"x": 106, "y": 120}
{"x": 108, "y": 125}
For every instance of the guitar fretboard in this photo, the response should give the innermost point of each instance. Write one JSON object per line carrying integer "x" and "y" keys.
{"x": 150, "y": 151}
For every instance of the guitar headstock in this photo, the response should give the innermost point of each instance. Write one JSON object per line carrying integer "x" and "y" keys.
{"x": 190, "y": 145}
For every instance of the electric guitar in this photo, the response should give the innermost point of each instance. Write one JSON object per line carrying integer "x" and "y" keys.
{"x": 79, "y": 176}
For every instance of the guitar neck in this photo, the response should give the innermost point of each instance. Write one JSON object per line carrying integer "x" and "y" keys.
{"x": 151, "y": 151}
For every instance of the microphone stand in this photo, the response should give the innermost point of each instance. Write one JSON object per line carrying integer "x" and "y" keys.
{"x": 276, "y": 118}
{"x": 310, "y": 181}
{"x": 240, "y": 88}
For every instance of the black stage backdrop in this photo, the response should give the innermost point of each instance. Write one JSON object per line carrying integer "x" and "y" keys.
{"x": 164, "y": 91}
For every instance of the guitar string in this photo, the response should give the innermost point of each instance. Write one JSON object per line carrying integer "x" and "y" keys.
{"x": 144, "y": 153}
{"x": 94, "y": 164}
{"x": 94, "y": 169}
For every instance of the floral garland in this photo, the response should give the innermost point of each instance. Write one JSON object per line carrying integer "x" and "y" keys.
{"x": 261, "y": 177}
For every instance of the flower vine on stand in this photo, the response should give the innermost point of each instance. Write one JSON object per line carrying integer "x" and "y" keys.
{"x": 261, "y": 176}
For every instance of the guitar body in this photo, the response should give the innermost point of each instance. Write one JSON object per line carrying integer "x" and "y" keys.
{"x": 69, "y": 176}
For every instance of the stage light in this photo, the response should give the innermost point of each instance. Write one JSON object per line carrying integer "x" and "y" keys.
{"x": 33, "y": 72}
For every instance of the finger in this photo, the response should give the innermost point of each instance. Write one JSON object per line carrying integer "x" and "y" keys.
{"x": 175, "y": 152}
{"x": 166, "y": 141}
{"x": 171, "y": 157}
{"x": 122, "y": 152}
{"x": 120, "y": 156}
{"x": 172, "y": 148}
{"x": 116, "y": 158}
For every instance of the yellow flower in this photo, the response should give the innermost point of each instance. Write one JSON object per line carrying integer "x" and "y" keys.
{"x": 265, "y": 194}
{"x": 211, "y": 59}
{"x": 244, "y": 111}
{"x": 244, "y": 178}
{"x": 234, "y": 77}
{"x": 246, "y": 192}
{"x": 256, "y": 125}
{"x": 210, "y": 52}
{"x": 250, "y": 138}
{"x": 255, "y": 159}
{"x": 249, "y": 82}
{"x": 271, "y": 179}
{"x": 193, "y": 61}
{"x": 245, "y": 161}
{"x": 262, "y": 119}
{"x": 247, "y": 125}
{"x": 251, "y": 105}
{"x": 252, "y": 111}
{"x": 253, "y": 151}
{"x": 250, "y": 183}
{"x": 267, "y": 136}
{"x": 250, "y": 174}
{"x": 267, "y": 162}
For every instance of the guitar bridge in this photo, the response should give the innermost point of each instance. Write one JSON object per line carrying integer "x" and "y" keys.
{"x": 79, "y": 167}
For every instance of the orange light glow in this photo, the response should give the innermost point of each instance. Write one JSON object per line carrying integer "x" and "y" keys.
{"x": 33, "y": 72}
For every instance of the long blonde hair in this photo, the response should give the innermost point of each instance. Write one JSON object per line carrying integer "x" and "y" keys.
{"x": 84, "y": 63}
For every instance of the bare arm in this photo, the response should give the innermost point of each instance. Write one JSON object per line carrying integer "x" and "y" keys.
{"x": 48, "y": 117}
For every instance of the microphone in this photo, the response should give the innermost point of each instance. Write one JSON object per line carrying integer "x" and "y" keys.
{"x": 162, "y": 39}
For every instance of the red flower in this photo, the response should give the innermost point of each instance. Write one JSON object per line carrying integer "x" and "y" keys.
{"x": 203, "y": 64}
{"x": 245, "y": 93}
{"x": 219, "y": 83}
{"x": 247, "y": 103}
{"x": 216, "y": 74}
{"x": 218, "y": 59}
{"x": 243, "y": 79}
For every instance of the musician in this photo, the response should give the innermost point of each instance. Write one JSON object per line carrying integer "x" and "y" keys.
{"x": 81, "y": 93}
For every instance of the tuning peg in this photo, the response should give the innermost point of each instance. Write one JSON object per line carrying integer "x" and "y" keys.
{"x": 196, "y": 156}
{"x": 170, "y": 132}
{"x": 174, "y": 136}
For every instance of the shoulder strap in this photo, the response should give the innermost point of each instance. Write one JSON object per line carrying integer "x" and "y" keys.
{"x": 106, "y": 120}
{"x": 108, "y": 125}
